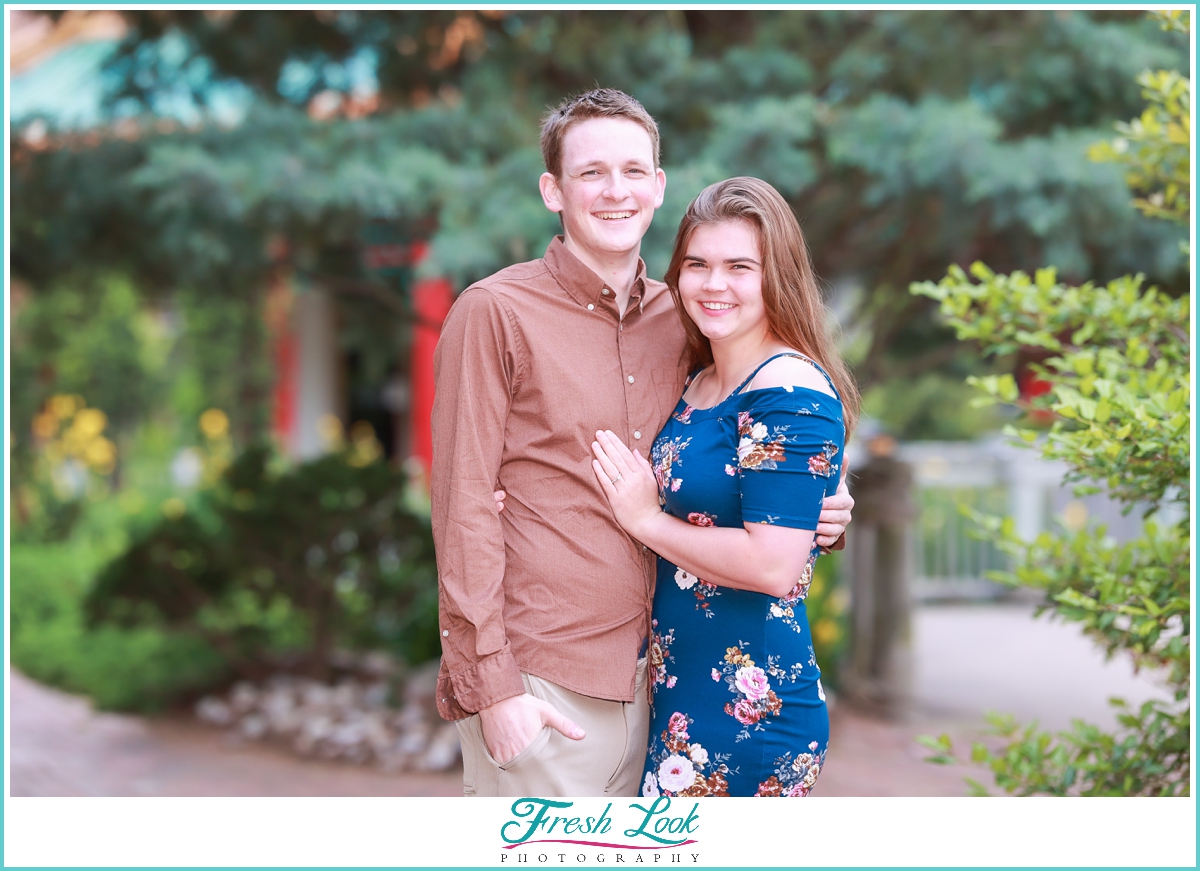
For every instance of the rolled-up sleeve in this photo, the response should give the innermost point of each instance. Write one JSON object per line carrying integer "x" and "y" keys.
{"x": 477, "y": 364}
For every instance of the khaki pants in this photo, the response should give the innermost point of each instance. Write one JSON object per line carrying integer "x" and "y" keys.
{"x": 608, "y": 761}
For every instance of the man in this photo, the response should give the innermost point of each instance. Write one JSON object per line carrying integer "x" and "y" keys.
{"x": 545, "y": 605}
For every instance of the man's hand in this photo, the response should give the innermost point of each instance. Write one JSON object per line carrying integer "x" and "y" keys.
{"x": 835, "y": 516}
{"x": 509, "y": 726}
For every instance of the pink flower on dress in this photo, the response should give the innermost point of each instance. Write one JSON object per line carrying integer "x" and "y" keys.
{"x": 677, "y": 725}
{"x": 745, "y": 713}
{"x": 699, "y": 518}
{"x": 676, "y": 773}
{"x": 716, "y": 675}
{"x": 752, "y": 682}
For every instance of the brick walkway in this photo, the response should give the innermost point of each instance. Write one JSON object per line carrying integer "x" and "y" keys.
{"x": 61, "y": 747}
{"x": 967, "y": 660}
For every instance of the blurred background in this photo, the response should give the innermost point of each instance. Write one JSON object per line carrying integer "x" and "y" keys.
{"x": 234, "y": 238}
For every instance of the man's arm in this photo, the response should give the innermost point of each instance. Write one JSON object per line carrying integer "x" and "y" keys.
{"x": 475, "y": 367}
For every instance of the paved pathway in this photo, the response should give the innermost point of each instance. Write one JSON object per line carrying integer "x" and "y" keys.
{"x": 967, "y": 660}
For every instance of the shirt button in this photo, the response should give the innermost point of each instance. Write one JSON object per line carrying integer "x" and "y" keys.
{"x": 591, "y": 307}
{"x": 637, "y": 433}
{"x": 445, "y": 632}
{"x": 605, "y": 291}
{"x": 630, "y": 379}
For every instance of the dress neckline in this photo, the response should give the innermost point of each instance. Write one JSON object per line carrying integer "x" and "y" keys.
{"x": 740, "y": 390}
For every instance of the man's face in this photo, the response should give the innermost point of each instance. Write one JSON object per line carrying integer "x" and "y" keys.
{"x": 608, "y": 191}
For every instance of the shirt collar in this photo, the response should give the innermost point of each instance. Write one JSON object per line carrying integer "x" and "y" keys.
{"x": 580, "y": 282}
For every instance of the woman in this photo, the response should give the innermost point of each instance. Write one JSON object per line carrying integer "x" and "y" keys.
{"x": 731, "y": 502}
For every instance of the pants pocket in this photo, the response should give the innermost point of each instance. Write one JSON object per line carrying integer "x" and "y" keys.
{"x": 534, "y": 748}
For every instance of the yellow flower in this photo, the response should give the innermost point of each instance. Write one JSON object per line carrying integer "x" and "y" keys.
{"x": 89, "y": 423}
{"x": 63, "y": 405}
{"x": 100, "y": 454}
{"x": 214, "y": 423}
{"x": 329, "y": 428}
{"x": 826, "y": 632}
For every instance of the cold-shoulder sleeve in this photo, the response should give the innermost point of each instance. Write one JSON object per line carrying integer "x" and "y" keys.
{"x": 789, "y": 455}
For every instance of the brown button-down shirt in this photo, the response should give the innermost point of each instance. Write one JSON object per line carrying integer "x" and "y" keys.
{"x": 531, "y": 362}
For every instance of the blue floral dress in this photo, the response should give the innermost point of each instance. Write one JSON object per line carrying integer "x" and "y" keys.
{"x": 738, "y": 707}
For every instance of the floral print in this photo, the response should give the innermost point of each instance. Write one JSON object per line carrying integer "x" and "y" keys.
{"x": 663, "y": 457}
{"x": 822, "y": 464}
{"x": 785, "y": 608}
{"x": 735, "y": 682}
{"x": 755, "y": 700}
{"x": 659, "y": 655}
{"x": 794, "y": 777}
{"x": 757, "y": 449}
{"x": 681, "y": 767}
{"x": 701, "y": 589}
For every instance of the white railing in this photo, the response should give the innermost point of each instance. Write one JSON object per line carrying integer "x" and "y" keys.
{"x": 997, "y": 477}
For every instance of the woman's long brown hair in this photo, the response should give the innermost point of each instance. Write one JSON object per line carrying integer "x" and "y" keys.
{"x": 796, "y": 314}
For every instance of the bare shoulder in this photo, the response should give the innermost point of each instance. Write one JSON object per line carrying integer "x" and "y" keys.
{"x": 791, "y": 372}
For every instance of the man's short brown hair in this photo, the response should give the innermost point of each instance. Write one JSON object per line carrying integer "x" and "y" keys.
{"x": 597, "y": 103}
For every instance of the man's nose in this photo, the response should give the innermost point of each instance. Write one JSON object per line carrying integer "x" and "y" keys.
{"x": 616, "y": 189}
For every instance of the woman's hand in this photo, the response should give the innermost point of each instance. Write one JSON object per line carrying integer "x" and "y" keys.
{"x": 628, "y": 482}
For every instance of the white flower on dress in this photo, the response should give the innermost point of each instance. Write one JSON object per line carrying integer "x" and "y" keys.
{"x": 776, "y": 611}
{"x": 685, "y": 580}
{"x": 650, "y": 785}
{"x": 699, "y": 754}
{"x": 758, "y": 432}
{"x": 676, "y": 773}
{"x": 752, "y": 682}
{"x": 820, "y": 690}
{"x": 745, "y": 446}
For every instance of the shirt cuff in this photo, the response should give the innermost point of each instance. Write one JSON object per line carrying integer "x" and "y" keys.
{"x": 463, "y": 693}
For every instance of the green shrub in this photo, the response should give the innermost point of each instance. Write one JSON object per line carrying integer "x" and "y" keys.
{"x": 278, "y": 566}
{"x": 142, "y": 669}
{"x": 1120, "y": 390}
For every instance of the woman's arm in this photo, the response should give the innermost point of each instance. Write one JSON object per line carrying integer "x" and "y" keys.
{"x": 759, "y": 557}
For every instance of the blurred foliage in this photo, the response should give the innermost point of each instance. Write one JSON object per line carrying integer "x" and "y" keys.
{"x": 904, "y": 139}
{"x": 277, "y": 566}
{"x": 827, "y": 609}
{"x": 1157, "y": 147}
{"x": 1120, "y": 387}
{"x": 144, "y": 669}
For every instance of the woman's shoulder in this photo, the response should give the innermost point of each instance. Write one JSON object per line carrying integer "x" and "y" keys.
{"x": 789, "y": 372}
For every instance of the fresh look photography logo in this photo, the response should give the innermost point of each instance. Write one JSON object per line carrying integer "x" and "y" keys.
{"x": 542, "y": 831}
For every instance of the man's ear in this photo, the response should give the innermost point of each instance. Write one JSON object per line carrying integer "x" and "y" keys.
{"x": 551, "y": 195}
{"x": 662, "y": 187}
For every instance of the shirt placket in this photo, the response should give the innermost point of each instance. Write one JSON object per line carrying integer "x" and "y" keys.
{"x": 633, "y": 436}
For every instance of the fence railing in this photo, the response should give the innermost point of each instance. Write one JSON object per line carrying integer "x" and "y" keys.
{"x": 995, "y": 477}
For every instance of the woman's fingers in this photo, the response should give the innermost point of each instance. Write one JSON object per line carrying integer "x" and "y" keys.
{"x": 620, "y": 455}
{"x": 606, "y": 463}
{"x": 605, "y": 480}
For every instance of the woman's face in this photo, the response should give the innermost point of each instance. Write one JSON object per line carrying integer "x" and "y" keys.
{"x": 720, "y": 282}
